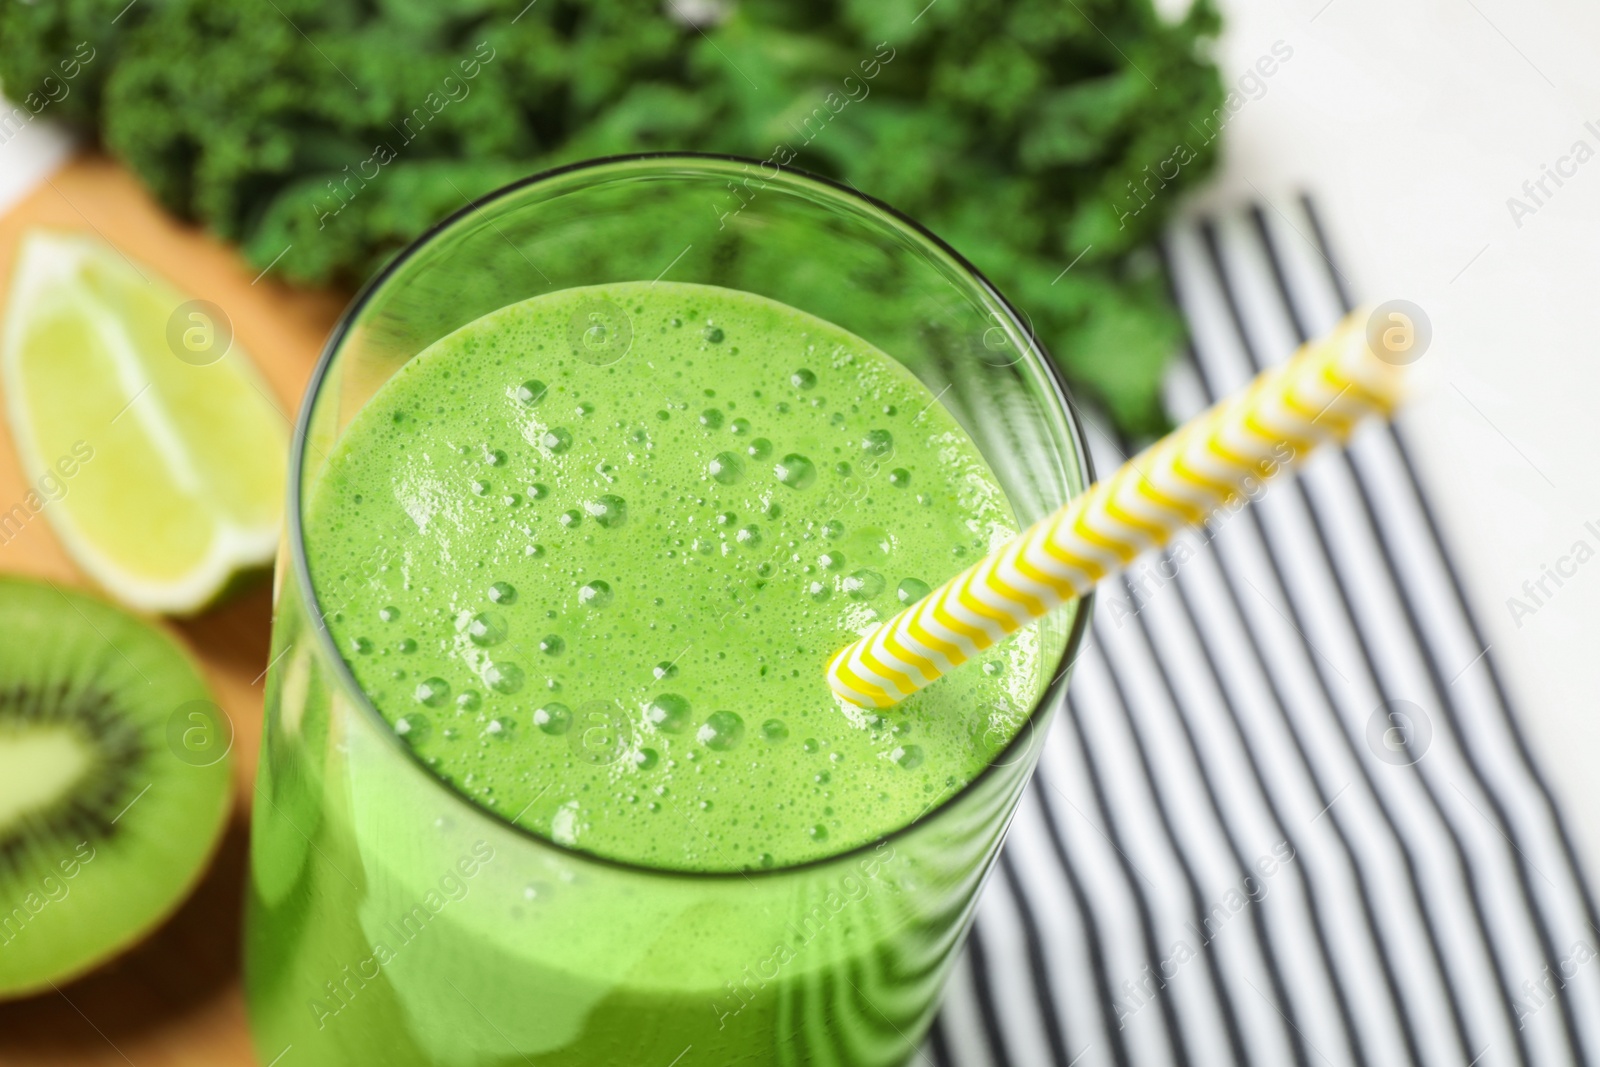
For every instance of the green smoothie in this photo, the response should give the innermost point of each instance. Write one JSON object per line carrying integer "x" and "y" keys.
{"x": 596, "y": 595}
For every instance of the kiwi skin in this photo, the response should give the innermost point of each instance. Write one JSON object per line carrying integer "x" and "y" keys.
{"x": 118, "y": 785}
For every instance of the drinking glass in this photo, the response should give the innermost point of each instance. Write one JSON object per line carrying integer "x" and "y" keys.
{"x": 393, "y": 921}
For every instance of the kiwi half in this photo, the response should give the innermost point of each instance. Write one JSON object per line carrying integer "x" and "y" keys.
{"x": 115, "y": 781}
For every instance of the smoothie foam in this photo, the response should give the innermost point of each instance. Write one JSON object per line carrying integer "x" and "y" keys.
{"x": 589, "y": 554}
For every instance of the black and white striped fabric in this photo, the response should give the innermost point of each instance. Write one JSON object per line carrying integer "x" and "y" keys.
{"x": 1286, "y": 816}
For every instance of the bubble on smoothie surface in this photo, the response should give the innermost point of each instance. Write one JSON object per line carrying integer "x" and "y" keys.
{"x": 432, "y": 692}
{"x": 877, "y": 443}
{"x": 911, "y": 590}
{"x": 553, "y": 718}
{"x": 795, "y": 471}
{"x": 609, "y": 510}
{"x": 909, "y": 757}
{"x": 504, "y": 677}
{"x": 503, "y": 593}
{"x": 725, "y": 468}
{"x": 668, "y": 712}
{"x": 864, "y": 585}
{"x": 414, "y": 727}
{"x": 721, "y": 731}
{"x": 487, "y": 628}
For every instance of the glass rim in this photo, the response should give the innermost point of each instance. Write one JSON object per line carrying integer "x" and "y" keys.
{"x": 345, "y": 678}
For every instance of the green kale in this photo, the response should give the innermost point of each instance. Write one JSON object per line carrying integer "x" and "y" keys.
{"x": 1046, "y": 140}
{"x": 36, "y": 38}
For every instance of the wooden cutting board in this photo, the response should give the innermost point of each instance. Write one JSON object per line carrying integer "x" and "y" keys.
{"x": 177, "y": 998}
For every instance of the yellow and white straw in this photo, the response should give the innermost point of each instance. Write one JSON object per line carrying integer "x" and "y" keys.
{"x": 1321, "y": 393}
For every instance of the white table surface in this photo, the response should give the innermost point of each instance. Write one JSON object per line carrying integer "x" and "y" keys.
{"x": 1413, "y": 123}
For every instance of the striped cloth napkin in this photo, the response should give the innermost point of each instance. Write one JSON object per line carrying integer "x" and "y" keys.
{"x": 1287, "y": 815}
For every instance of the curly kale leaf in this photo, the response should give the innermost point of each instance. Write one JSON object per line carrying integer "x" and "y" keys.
{"x": 1046, "y": 141}
{"x": 40, "y": 41}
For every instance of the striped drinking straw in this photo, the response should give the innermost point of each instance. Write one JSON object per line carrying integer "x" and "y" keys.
{"x": 1321, "y": 393}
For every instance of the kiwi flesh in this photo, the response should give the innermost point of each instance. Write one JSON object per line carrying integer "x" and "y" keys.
{"x": 115, "y": 782}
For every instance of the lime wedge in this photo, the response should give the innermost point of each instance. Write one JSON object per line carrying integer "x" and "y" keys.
{"x": 148, "y": 439}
